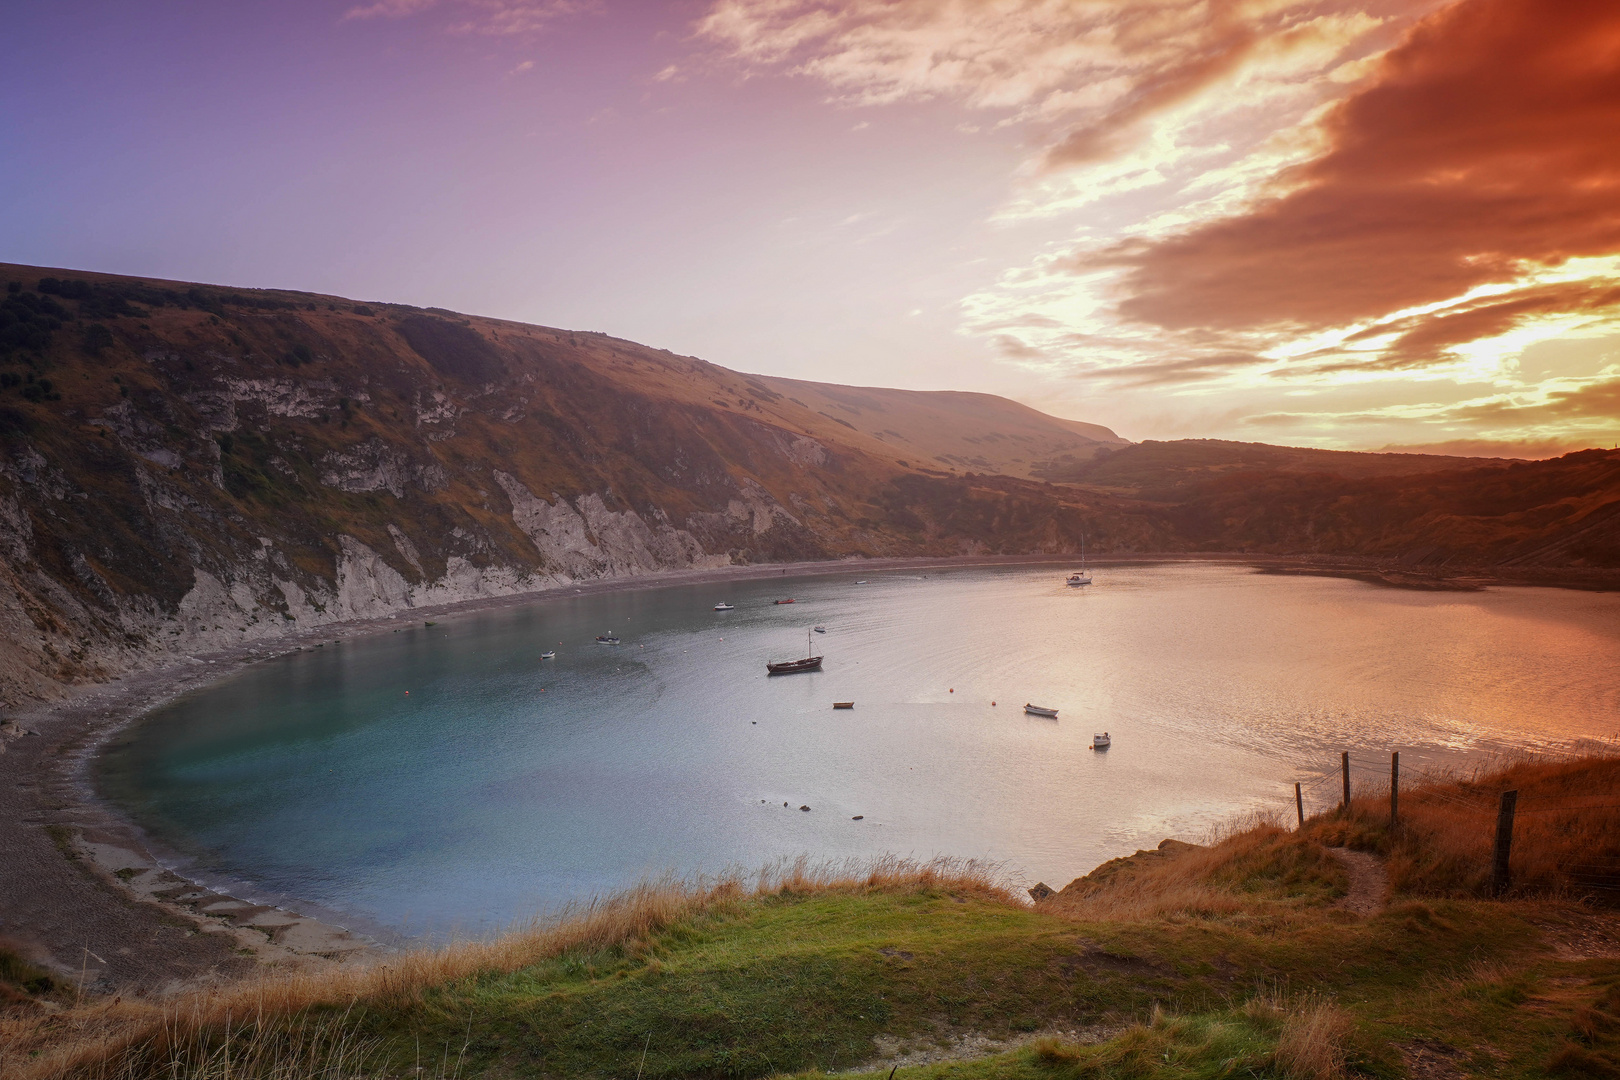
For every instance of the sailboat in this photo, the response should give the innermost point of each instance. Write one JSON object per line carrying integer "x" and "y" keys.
{"x": 810, "y": 662}
{"x": 1081, "y": 576}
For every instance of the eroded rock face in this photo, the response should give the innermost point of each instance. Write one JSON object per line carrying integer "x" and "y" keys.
{"x": 589, "y": 540}
{"x": 376, "y": 466}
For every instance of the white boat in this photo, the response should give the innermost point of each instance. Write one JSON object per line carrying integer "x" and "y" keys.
{"x": 1040, "y": 710}
{"x": 1101, "y": 741}
{"x": 725, "y": 607}
{"x": 821, "y": 629}
{"x": 550, "y": 654}
{"x": 861, "y": 582}
{"x": 607, "y": 639}
{"x": 1081, "y": 576}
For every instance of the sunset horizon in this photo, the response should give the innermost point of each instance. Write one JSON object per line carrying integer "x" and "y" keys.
{"x": 1304, "y": 223}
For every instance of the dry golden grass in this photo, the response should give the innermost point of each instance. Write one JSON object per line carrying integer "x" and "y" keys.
{"x": 1566, "y": 831}
{"x": 295, "y": 1020}
{"x": 1312, "y": 1043}
{"x": 1250, "y": 860}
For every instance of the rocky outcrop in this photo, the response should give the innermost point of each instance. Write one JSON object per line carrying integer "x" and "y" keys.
{"x": 588, "y": 540}
{"x": 376, "y": 466}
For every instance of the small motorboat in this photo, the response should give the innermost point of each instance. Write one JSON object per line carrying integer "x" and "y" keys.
{"x": 725, "y": 607}
{"x": 843, "y": 704}
{"x": 1101, "y": 741}
{"x": 1040, "y": 710}
{"x": 607, "y": 639}
{"x": 821, "y": 629}
{"x": 861, "y": 582}
{"x": 810, "y": 662}
{"x": 550, "y": 654}
{"x": 789, "y": 600}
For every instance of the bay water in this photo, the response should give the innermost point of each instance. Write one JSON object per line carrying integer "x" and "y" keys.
{"x": 445, "y": 779}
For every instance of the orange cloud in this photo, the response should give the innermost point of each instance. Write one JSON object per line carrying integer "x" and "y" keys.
{"x": 1485, "y": 143}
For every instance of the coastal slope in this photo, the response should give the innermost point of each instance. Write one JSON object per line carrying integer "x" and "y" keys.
{"x": 190, "y": 468}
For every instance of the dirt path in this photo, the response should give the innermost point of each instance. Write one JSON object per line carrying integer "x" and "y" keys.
{"x": 1369, "y": 884}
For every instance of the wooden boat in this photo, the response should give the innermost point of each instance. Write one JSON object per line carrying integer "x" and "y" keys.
{"x": 1040, "y": 710}
{"x": 1101, "y": 741}
{"x": 607, "y": 639}
{"x": 789, "y": 600}
{"x": 724, "y": 607}
{"x": 549, "y": 654}
{"x": 810, "y": 662}
{"x": 843, "y": 704}
{"x": 788, "y": 667}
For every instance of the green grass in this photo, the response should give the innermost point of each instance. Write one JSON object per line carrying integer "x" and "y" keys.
{"x": 1231, "y": 961}
{"x": 794, "y": 983}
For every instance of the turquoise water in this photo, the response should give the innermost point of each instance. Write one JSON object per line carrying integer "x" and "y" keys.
{"x": 445, "y": 779}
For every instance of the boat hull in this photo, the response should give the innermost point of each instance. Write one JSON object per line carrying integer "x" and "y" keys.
{"x": 791, "y": 667}
{"x": 1038, "y": 710}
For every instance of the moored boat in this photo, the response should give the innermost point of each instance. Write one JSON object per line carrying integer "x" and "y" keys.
{"x": 811, "y": 662}
{"x": 1081, "y": 576}
{"x": 789, "y": 600}
{"x": 723, "y": 606}
{"x": 549, "y": 654}
{"x": 1101, "y": 741}
{"x": 788, "y": 667}
{"x": 821, "y": 629}
{"x": 843, "y": 704}
{"x": 607, "y": 639}
{"x": 1040, "y": 710}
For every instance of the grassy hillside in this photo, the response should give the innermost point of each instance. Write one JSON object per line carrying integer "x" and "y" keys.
{"x": 187, "y": 468}
{"x": 1234, "y": 960}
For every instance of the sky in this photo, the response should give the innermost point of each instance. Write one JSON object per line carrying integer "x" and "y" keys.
{"x": 1360, "y": 225}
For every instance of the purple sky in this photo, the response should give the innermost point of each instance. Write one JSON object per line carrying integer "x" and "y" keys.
{"x": 879, "y": 191}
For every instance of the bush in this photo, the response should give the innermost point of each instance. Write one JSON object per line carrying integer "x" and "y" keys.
{"x": 96, "y": 338}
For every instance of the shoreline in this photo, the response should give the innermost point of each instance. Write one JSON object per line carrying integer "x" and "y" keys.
{"x": 89, "y": 897}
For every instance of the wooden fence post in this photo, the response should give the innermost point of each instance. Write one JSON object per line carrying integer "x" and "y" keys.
{"x": 1345, "y": 761}
{"x": 1299, "y": 804}
{"x": 1394, "y": 788}
{"x": 1501, "y": 879}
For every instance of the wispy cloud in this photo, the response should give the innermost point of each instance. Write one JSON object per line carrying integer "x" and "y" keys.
{"x": 496, "y": 17}
{"x": 1317, "y": 197}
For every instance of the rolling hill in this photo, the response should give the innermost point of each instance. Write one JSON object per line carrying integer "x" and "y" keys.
{"x": 190, "y": 467}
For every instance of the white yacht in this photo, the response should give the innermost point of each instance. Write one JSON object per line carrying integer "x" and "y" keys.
{"x": 1081, "y": 576}
{"x": 723, "y": 606}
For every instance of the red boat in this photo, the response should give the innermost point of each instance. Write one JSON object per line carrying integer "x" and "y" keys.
{"x": 789, "y": 600}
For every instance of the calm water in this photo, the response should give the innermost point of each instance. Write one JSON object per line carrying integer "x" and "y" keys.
{"x": 445, "y": 778}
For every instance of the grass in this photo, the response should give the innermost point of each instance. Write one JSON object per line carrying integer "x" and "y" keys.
{"x": 1566, "y": 830}
{"x": 1229, "y": 960}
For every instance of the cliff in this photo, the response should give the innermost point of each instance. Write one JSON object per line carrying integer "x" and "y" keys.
{"x": 186, "y": 467}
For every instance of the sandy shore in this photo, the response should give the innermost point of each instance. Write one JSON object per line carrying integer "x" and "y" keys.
{"x": 84, "y": 893}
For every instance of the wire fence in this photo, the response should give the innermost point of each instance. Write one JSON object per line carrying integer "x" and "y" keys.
{"x": 1521, "y": 827}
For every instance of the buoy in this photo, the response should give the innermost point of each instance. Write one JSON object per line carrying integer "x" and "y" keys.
{"x": 992, "y": 703}
{"x": 953, "y": 689}
{"x": 784, "y": 804}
